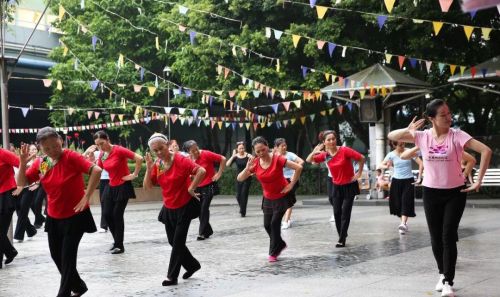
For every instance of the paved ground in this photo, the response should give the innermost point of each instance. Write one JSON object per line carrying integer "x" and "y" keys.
{"x": 376, "y": 262}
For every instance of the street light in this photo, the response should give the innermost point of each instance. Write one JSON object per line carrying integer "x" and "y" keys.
{"x": 166, "y": 71}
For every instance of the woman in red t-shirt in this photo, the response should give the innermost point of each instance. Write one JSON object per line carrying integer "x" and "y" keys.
{"x": 208, "y": 187}
{"x": 8, "y": 161}
{"x": 268, "y": 169}
{"x": 68, "y": 213}
{"x": 172, "y": 172}
{"x": 345, "y": 182}
{"x": 114, "y": 159}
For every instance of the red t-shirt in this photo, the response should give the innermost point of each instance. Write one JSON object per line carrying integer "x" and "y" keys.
{"x": 175, "y": 181}
{"x": 116, "y": 164}
{"x": 207, "y": 160}
{"x": 8, "y": 161}
{"x": 340, "y": 165}
{"x": 272, "y": 179}
{"x": 63, "y": 183}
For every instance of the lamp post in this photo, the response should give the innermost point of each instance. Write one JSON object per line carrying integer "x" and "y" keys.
{"x": 166, "y": 71}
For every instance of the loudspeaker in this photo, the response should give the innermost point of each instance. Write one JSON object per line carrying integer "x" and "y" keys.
{"x": 370, "y": 110}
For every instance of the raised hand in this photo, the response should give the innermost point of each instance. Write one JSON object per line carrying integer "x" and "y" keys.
{"x": 24, "y": 154}
{"x": 149, "y": 161}
{"x": 250, "y": 164}
{"x": 415, "y": 125}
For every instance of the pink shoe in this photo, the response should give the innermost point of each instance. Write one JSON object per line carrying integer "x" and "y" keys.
{"x": 272, "y": 258}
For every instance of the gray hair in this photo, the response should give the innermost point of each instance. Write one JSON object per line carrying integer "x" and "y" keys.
{"x": 157, "y": 137}
{"x": 188, "y": 145}
{"x": 45, "y": 133}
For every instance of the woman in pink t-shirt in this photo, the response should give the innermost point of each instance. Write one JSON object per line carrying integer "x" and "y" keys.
{"x": 268, "y": 169}
{"x": 444, "y": 190}
{"x": 345, "y": 182}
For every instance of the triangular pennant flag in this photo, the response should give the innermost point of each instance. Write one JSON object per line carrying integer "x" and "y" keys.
{"x": 381, "y": 21}
{"x": 173, "y": 117}
{"x": 112, "y": 116}
{"x": 441, "y": 67}
{"x": 157, "y": 43}
{"x": 283, "y": 94}
{"x": 327, "y": 76}
{"x": 388, "y": 58}
{"x": 428, "y": 66}
{"x": 384, "y": 91}
{"x": 233, "y": 125}
{"x": 297, "y": 103}
{"x": 285, "y": 123}
{"x": 277, "y": 70}
{"x": 468, "y": 31}
{"x": 286, "y": 105}
{"x": 120, "y": 117}
{"x": 141, "y": 72}
{"x": 295, "y": 40}
{"x": 194, "y": 112}
{"x": 59, "y": 85}
{"x": 437, "y": 27}
{"x": 413, "y": 62}
{"x": 401, "y": 61}
{"x": 462, "y": 69}
{"x": 137, "y": 88}
{"x": 89, "y": 114}
{"x": 340, "y": 108}
{"x": 362, "y": 94}
{"x": 243, "y": 80}
{"x": 312, "y": 3}
{"x": 484, "y": 71}
{"x": 389, "y": 4}
{"x": 303, "y": 120}
{"x": 351, "y": 93}
{"x": 62, "y": 11}
{"x": 94, "y": 42}
{"x": 25, "y": 111}
{"x": 321, "y": 10}
{"x": 247, "y": 125}
{"x": 277, "y": 34}
{"x": 167, "y": 110}
{"x": 445, "y": 5}
{"x": 323, "y": 112}
{"x": 485, "y": 32}
{"x": 71, "y": 111}
{"x": 268, "y": 32}
{"x": 96, "y": 114}
{"x": 188, "y": 92}
{"x": 121, "y": 61}
{"x": 181, "y": 110}
{"x": 329, "y": 94}
{"x": 331, "y": 48}
{"x": 304, "y": 71}
{"x": 256, "y": 93}
{"x": 152, "y": 90}
{"x": 349, "y": 106}
{"x": 156, "y": 81}
{"x": 183, "y": 9}
{"x": 473, "y": 14}
{"x": 312, "y": 116}
{"x": 94, "y": 84}
{"x": 182, "y": 28}
{"x": 320, "y": 44}
{"x": 226, "y": 72}
{"x": 192, "y": 37}
{"x": 452, "y": 69}
{"x": 275, "y": 107}
{"x": 65, "y": 51}
{"x": 243, "y": 94}
{"x": 47, "y": 82}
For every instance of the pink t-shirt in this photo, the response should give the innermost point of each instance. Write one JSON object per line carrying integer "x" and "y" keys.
{"x": 442, "y": 168}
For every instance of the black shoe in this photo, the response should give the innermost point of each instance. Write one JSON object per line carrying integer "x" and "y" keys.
{"x": 188, "y": 274}
{"x": 9, "y": 260}
{"x": 38, "y": 226}
{"x": 169, "y": 282}
{"x": 340, "y": 245}
{"x": 112, "y": 247}
{"x": 77, "y": 294}
{"x": 31, "y": 235}
{"x": 116, "y": 251}
{"x": 201, "y": 237}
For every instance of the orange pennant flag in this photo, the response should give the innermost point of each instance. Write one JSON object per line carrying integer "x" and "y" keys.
{"x": 401, "y": 60}
{"x": 452, "y": 69}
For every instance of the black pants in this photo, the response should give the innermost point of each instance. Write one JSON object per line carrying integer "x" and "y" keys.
{"x": 343, "y": 199}
{"x": 6, "y": 248}
{"x": 113, "y": 214}
{"x": 272, "y": 224}
{"x": 443, "y": 211}
{"x": 37, "y": 205}
{"x": 23, "y": 203}
{"x": 242, "y": 190}
{"x": 102, "y": 186}
{"x": 177, "y": 226}
{"x": 329, "y": 189}
{"x": 205, "y": 199}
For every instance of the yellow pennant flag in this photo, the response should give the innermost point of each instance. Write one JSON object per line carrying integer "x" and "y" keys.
{"x": 384, "y": 91}
{"x": 293, "y": 121}
{"x": 152, "y": 90}
{"x": 327, "y": 76}
{"x": 437, "y": 27}
{"x": 297, "y": 103}
{"x": 121, "y": 60}
{"x": 295, "y": 39}
{"x": 62, "y": 11}
{"x": 317, "y": 94}
{"x": 303, "y": 120}
{"x": 321, "y": 10}
{"x": 247, "y": 125}
{"x": 452, "y": 69}
{"x": 389, "y": 4}
{"x": 278, "y": 65}
{"x": 468, "y": 31}
{"x": 243, "y": 94}
{"x": 59, "y": 85}
{"x": 263, "y": 124}
{"x": 65, "y": 51}
{"x": 120, "y": 116}
{"x": 486, "y": 33}
{"x": 362, "y": 93}
{"x": 219, "y": 123}
{"x": 388, "y": 58}
{"x": 323, "y": 112}
{"x": 462, "y": 69}
{"x": 157, "y": 42}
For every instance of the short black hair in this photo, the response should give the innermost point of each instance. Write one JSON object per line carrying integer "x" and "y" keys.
{"x": 259, "y": 139}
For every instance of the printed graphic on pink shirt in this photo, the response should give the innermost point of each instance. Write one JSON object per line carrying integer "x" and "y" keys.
{"x": 438, "y": 152}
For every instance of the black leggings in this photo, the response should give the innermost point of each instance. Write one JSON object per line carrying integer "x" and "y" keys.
{"x": 102, "y": 187}
{"x": 272, "y": 224}
{"x": 23, "y": 203}
{"x": 113, "y": 214}
{"x": 6, "y": 248}
{"x": 443, "y": 211}
{"x": 36, "y": 207}
{"x": 343, "y": 199}
{"x": 242, "y": 190}
{"x": 205, "y": 199}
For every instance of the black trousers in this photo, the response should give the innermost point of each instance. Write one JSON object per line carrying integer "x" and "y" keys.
{"x": 329, "y": 189}
{"x": 177, "y": 226}
{"x": 205, "y": 199}
{"x": 242, "y": 190}
{"x": 272, "y": 224}
{"x": 63, "y": 250}
{"x": 343, "y": 199}
{"x": 6, "y": 248}
{"x": 102, "y": 186}
{"x": 23, "y": 203}
{"x": 37, "y": 205}
{"x": 113, "y": 214}
{"x": 443, "y": 211}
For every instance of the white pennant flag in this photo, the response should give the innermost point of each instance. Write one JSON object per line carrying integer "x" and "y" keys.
{"x": 25, "y": 111}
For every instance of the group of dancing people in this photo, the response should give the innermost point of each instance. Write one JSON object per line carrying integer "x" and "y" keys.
{"x": 188, "y": 182}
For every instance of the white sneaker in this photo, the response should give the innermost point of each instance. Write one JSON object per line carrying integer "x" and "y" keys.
{"x": 102, "y": 230}
{"x": 18, "y": 240}
{"x": 439, "y": 285}
{"x": 402, "y": 229}
{"x": 332, "y": 218}
{"x": 447, "y": 290}
{"x": 285, "y": 225}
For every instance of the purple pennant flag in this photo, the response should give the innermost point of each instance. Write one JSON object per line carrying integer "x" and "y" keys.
{"x": 195, "y": 113}
{"x": 304, "y": 71}
{"x": 210, "y": 99}
{"x": 331, "y": 48}
{"x": 312, "y": 3}
{"x": 188, "y": 92}
{"x": 142, "y": 73}
{"x": 349, "y": 105}
{"x": 484, "y": 71}
{"x": 381, "y": 21}
{"x": 346, "y": 82}
{"x": 233, "y": 124}
{"x": 25, "y": 111}
{"x": 413, "y": 62}
{"x": 94, "y": 42}
{"x": 275, "y": 107}
{"x": 94, "y": 84}
{"x": 192, "y": 36}
{"x": 472, "y": 14}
